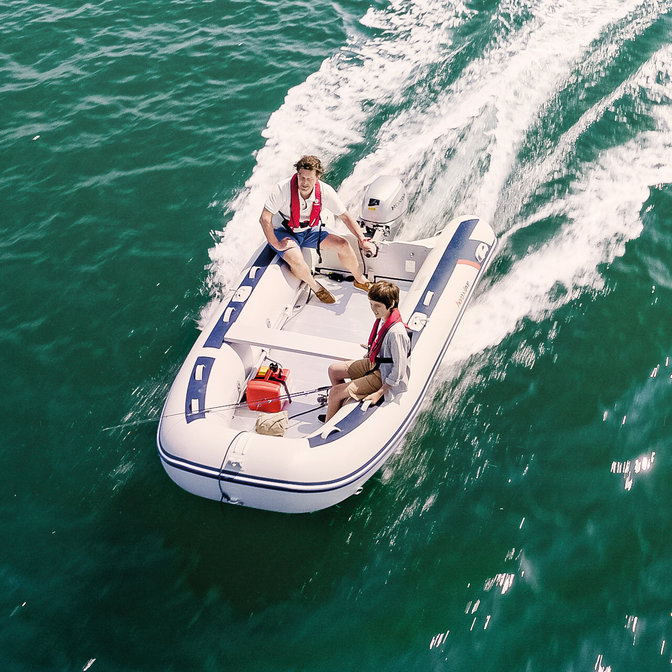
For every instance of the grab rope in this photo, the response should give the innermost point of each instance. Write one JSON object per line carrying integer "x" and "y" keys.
{"x": 221, "y": 407}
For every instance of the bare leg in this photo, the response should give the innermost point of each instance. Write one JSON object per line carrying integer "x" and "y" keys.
{"x": 300, "y": 269}
{"x": 338, "y": 372}
{"x": 346, "y": 255}
{"x": 338, "y": 394}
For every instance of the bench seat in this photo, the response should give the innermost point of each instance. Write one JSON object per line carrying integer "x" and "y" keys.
{"x": 277, "y": 339}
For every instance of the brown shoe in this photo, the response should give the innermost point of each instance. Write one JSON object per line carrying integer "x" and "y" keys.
{"x": 362, "y": 285}
{"x": 324, "y": 295}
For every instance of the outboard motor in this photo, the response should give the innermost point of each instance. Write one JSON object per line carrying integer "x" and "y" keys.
{"x": 384, "y": 202}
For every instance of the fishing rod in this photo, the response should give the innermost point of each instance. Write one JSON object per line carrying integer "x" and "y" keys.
{"x": 222, "y": 407}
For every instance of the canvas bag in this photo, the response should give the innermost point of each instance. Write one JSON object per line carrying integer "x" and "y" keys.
{"x": 272, "y": 424}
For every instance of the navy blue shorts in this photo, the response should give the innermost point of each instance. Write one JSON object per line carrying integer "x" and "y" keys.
{"x": 307, "y": 238}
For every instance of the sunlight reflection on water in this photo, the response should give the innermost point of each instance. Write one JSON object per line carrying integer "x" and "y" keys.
{"x": 632, "y": 468}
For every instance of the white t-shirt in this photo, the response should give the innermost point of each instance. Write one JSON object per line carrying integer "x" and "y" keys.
{"x": 280, "y": 200}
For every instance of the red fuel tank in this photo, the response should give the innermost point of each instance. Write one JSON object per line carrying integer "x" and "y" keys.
{"x": 268, "y": 391}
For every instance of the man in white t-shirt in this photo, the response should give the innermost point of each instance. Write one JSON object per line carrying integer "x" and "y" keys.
{"x": 299, "y": 200}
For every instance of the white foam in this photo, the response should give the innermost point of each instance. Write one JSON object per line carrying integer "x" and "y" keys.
{"x": 458, "y": 149}
{"x": 602, "y": 212}
{"x": 327, "y": 113}
{"x": 484, "y": 115}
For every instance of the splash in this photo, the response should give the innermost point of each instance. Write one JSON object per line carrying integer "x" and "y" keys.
{"x": 363, "y": 76}
{"x": 457, "y": 150}
{"x": 601, "y": 210}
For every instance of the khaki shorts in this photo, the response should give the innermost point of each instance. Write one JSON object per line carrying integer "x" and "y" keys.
{"x": 364, "y": 381}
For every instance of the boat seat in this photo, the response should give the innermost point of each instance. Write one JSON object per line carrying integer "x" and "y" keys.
{"x": 277, "y": 339}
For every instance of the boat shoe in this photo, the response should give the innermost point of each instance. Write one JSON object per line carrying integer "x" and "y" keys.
{"x": 324, "y": 295}
{"x": 365, "y": 286}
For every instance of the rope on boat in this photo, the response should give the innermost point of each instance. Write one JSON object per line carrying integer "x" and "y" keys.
{"x": 222, "y": 407}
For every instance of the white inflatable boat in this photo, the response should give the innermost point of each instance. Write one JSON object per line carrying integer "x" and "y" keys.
{"x": 268, "y": 348}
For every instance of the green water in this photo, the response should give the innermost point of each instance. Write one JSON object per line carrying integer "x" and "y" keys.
{"x": 526, "y": 524}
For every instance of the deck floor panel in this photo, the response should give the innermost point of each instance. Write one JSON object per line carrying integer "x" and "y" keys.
{"x": 349, "y": 319}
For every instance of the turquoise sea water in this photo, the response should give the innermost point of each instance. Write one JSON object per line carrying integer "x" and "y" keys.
{"x": 526, "y": 526}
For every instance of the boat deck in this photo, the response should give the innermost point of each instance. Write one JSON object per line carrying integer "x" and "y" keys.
{"x": 339, "y": 327}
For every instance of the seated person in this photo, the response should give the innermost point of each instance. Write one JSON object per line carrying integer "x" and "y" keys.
{"x": 385, "y": 370}
{"x": 299, "y": 200}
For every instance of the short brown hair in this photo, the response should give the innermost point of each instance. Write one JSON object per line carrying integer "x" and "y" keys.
{"x": 309, "y": 162}
{"x": 384, "y": 292}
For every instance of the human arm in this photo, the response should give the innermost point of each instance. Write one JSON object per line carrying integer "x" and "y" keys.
{"x": 376, "y": 396}
{"x": 394, "y": 368}
{"x": 278, "y": 201}
{"x": 266, "y": 221}
{"x": 367, "y": 246}
{"x": 395, "y": 347}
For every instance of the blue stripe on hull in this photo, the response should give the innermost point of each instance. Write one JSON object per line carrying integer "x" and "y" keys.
{"x": 218, "y": 334}
{"x": 460, "y": 248}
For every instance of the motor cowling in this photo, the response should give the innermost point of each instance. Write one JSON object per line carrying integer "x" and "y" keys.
{"x": 384, "y": 202}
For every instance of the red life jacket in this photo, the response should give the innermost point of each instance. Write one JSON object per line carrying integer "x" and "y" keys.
{"x": 295, "y": 207}
{"x": 376, "y": 337}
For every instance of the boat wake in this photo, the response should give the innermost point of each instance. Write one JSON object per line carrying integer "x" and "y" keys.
{"x": 509, "y": 129}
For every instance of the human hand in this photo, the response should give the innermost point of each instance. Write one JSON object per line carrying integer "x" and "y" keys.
{"x": 285, "y": 244}
{"x": 374, "y": 397}
{"x": 368, "y": 247}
